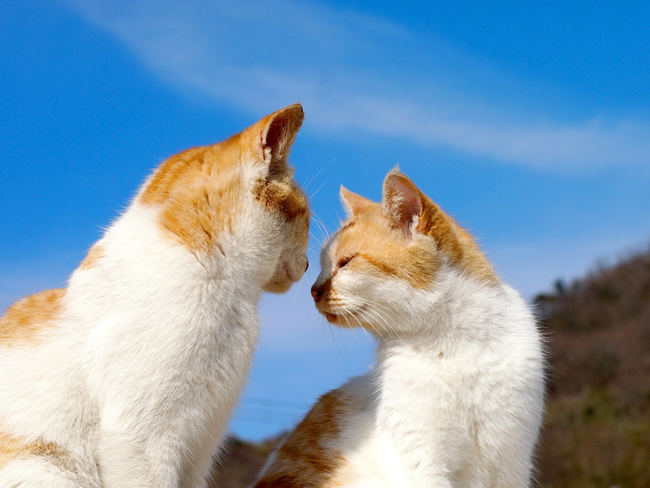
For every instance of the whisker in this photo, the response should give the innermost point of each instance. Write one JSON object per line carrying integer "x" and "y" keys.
{"x": 299, "y": 288}
{"x": 314, "y": 177}
{"x": 319, "y": 188}
{"x": 320, "y": 243}
{"x": 329, "y": 326}
{"x": 321, "y": 227}
{"x": 375, "y": 310}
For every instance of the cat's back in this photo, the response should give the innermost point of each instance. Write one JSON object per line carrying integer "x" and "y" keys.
{"x": 39, "y": 359}
{"x": 35, "y": 340}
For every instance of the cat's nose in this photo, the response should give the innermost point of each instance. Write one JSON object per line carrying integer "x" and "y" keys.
{"x": 316, "y": 292}
{"x": 306, "y": 264}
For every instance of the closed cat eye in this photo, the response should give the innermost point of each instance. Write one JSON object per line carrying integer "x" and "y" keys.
{"x": 345, "y": 261}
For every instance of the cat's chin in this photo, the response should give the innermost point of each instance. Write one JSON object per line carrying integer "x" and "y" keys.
{"x": 331, "y": 318}
{"x": 278, "y": 286}
{"x": 343, "y": 320}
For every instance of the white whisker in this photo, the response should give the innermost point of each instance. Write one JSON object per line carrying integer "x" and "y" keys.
{"x": 319, "y": 188}
{"x": 314, "y": 177}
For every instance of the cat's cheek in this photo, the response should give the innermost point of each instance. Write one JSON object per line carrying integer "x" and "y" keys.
{"x": 285, "y": 275}
{"x": 331, "y": 318}
{"x": 296, "y": 269}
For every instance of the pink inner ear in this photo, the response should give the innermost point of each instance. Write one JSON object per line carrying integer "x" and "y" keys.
{"x": 278, "y": 136}
{"x": 402, "y": 201}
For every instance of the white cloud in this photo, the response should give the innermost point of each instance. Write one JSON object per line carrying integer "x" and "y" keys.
{"x": 356, "y": 72}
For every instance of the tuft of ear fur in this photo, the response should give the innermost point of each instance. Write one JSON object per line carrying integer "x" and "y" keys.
{"x": 352, "y": 202}
{"x": 277, "y": 135}
{"x": 402, "y": 201}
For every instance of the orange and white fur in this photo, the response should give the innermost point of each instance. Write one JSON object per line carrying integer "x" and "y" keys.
{"x": 455, "y": 398}
{"x": 127, "y": 377}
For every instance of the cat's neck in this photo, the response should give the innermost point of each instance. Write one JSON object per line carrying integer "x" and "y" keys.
{"x": 435, "y": 365}
{"x": 458, "y": 310}
{"x": 139, "y": 267}
{"x": 462, "y": 322}
{"x": 137, "y": 243}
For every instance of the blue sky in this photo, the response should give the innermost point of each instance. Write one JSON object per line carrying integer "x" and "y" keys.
{"x": 528, "y": 122}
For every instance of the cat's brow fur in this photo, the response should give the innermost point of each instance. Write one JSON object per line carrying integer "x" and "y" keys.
{"x": 127, "y": 377}
{"x": 455, "y": 398}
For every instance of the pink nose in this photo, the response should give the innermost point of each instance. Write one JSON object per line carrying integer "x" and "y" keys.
{"x": 316, "y": 292}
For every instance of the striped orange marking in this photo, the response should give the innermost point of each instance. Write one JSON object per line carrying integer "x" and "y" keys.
{"x": 92, "y": 258}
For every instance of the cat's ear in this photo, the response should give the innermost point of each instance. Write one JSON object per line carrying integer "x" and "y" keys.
{"x": 352, "y": 202}
{"x": 276, "y": 135}
{"x": 402, "y": 201}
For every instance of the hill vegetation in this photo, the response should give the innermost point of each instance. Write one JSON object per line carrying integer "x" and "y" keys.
{"x": 597, "y": 431}
{"x": 597, "y": 428}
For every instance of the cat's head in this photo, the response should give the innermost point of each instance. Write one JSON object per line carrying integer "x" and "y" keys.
{"x": 239, "y": 197}
{"x": 389, "y": 258}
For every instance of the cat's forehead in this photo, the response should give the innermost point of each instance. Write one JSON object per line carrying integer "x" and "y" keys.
{"x": 365, "y": 231}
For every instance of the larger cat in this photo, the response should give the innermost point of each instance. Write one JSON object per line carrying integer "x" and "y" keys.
{"x": 127, "y": 377}
{"x": 456, "y": 396}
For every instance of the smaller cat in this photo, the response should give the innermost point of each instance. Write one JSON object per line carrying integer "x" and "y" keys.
{"x": 128, "y": 376}
{"x": 456, "y": 396}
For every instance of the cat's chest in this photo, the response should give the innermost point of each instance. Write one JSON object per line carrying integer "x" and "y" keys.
{"x": 439, "y": 378}
{"x": 223, "y": 336}
{"x": 194, "y": 345}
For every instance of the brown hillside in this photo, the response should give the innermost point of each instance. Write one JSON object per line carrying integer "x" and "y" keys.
{"x": 597, "y": 432}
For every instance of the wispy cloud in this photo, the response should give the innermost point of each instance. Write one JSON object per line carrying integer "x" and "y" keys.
{"x": 360, "y": 73}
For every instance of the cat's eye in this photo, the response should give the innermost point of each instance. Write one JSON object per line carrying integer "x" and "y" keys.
{"x": 345, "y": 261}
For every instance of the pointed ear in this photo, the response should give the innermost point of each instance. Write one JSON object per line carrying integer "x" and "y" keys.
{"x": 402, "y": 201}
{"x": 352, "y": 202}
{"x": 276, "y": 136}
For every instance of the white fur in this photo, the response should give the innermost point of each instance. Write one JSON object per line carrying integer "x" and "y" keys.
{"x": 456, "y": 396}
{"x": 139, "y": 373}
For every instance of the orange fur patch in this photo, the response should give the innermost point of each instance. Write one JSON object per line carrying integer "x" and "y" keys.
{"x": 92, "y": 258}
{"x": 454, "y": 241}
{"x": 26, "y": 318}
{"x": 172, "y": 173}
{"x": 11, "y": 447}
{"x": 370, "y": 236}
{"x": 381, "y": 249}
{"x": 199, "y": 191}
{"x": 285, "y": 198}
{"x": 304, "y": 459}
